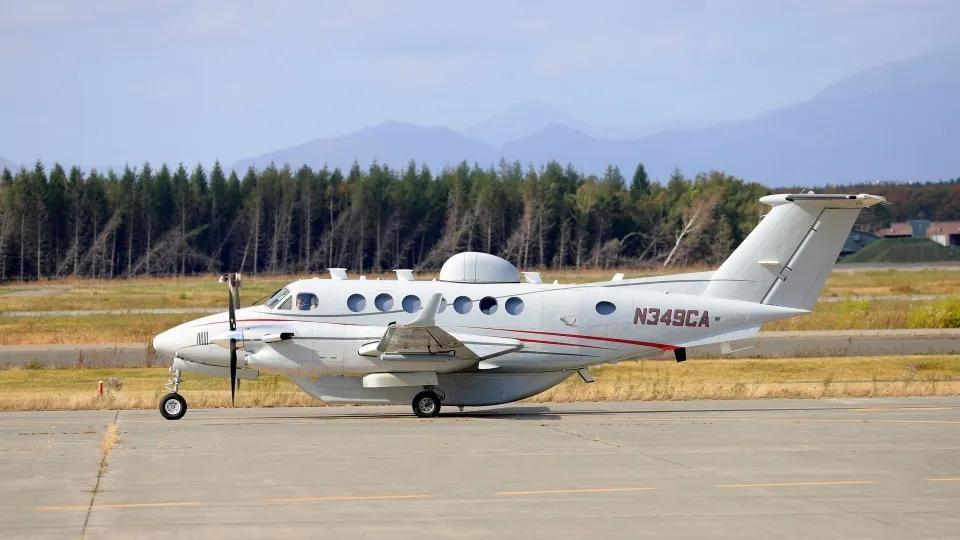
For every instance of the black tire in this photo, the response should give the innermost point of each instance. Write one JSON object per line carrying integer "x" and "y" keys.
{"x": 173, "y": 406}
{"x": 426, "y": 404}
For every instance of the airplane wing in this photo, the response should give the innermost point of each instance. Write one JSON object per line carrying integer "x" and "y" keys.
{"x": 423, "y": 340}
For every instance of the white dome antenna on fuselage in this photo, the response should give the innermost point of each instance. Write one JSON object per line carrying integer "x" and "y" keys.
{"x": 475, "y": 267}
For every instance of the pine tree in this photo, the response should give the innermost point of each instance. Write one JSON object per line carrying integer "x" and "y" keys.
{"x": 640, "y": 184}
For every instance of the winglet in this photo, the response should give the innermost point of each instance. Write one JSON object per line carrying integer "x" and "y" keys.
{"x": 428, "y": 314}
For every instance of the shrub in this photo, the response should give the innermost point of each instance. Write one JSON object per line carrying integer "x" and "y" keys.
{"x": 943, "y": 313}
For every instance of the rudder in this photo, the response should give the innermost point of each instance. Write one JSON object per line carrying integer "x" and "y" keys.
{"x": 786, "y": 259}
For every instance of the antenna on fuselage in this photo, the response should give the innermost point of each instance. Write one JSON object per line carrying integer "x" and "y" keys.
{"x": 532, "y": 277}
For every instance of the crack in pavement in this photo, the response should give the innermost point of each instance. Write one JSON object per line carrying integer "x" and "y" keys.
{"x": 106, "y": 445}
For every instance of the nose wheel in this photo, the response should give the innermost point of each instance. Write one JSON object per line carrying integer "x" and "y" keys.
{"x": 172, "y": 405}
{"x": 426, "y": 404}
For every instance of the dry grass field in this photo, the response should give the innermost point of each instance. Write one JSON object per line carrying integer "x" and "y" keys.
{"x": 141, "y": 388}
{"x": 865, "y": 299}
{"x": 205, "y": 291}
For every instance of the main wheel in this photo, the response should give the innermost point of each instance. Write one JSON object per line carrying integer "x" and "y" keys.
{"x": 426, "y": 404}
{"x": 173, "y": 406}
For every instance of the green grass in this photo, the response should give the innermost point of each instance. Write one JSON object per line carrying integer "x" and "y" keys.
{"x": 876, "y": 314}
{"x": 903, "y": 250}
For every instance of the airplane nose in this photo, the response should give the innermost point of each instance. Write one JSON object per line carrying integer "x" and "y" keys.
{"x": 165, "y": 343}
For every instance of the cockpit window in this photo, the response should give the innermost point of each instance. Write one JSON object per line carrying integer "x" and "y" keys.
{"x": 307, "y": 301}
{"x": 277, "y": 297}
{"x": 286, "y": 304}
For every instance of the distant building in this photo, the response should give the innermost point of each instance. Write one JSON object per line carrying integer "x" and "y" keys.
{"x": 856, "y": 241}
{"x": 945, "y": 233}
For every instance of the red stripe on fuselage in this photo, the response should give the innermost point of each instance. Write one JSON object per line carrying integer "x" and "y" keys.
{"x": 529, "y": 340}
{"x": 276, "y": 320}
{"x": 663, "y": 346}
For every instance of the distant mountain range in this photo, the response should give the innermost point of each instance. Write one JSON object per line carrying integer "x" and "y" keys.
{"x": 896, "y": 121}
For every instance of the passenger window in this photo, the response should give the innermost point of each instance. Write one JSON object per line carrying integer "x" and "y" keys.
{"x": 488, "y": 305}
{"x": 462, "y": 305}
{"x": 286, "y": 303}
{"x": 410, "y": 303}
{"x": 356, "y": 303}
{"x": 383, "y": 301}
{"x": 307, "y": 301}
{"x": 605, "y": 308}
{"x": 513, "y": 305}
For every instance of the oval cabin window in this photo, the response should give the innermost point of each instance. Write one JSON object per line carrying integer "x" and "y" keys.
{"x": 356, "y": 303}
{"x": 513, "y": 305}
{"x": 605, "y": 308}
{"x": 488, "y": 305}
{"x": 411, "y": 303}
{"x": 462, "y": 305}
{"x": 383, "y": 301}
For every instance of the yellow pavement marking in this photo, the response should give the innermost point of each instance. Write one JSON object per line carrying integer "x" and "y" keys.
{"x": 806, "y": 420}
{"x": 588, "y": 490}
{"x": 346, "y": 498}
{"x": 887, "y": 409}
{"x": 788, "y": 484}
{"x": 948, "y": 479}
{"x": 116, "y": 506}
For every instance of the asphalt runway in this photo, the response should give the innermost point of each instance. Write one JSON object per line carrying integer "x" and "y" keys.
{"x": 878, "y": 468}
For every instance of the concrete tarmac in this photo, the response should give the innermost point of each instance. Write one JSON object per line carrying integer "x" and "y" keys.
{"x": 857, "y": 468}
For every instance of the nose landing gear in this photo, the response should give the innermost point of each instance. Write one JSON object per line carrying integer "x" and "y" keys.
{"x": 172, "y": 405}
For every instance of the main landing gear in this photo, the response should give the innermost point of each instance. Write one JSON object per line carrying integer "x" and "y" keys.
{"x": 172, "y": 405}
{"x": 426, "y": 404}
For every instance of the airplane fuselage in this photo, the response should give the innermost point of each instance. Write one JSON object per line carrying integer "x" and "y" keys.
{"x": 559, "y": 328}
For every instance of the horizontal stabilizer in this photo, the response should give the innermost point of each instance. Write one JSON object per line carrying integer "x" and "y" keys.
{"x": 746, "y": 333}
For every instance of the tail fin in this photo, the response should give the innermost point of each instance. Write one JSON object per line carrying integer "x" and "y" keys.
{"x": 785, "y": 260}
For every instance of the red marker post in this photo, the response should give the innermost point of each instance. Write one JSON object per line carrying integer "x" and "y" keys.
{"x": 100, "y": 389}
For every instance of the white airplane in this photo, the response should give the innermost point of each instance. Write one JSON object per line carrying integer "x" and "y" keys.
{"x": 478, "y": 335}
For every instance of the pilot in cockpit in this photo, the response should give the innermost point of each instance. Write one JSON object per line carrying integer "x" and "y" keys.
{"x": 306, "y": 301}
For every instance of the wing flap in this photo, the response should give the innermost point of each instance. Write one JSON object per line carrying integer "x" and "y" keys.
{"x": 423, "y": 339}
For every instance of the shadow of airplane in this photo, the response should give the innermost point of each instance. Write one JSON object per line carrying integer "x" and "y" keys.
{"x": 542, "y": 412}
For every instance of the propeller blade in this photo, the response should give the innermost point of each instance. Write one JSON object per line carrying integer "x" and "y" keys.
{"x": 233, "y": 372}
{"x": 232, "y": 310}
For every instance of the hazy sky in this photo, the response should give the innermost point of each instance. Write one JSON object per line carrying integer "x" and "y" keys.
{"x": 100, "y": 82}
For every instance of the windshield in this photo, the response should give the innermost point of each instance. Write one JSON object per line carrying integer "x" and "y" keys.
{"x": 277, "y": 297}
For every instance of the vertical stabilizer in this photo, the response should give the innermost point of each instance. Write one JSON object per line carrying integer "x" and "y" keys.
{"x": 785, "y": 260}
